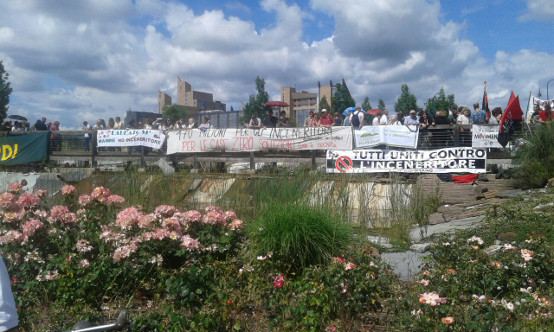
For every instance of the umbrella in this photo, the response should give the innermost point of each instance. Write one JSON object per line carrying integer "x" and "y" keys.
{"x": 276, "y": 103}
{"x": 373, "y": 111}
{"x": 16, "y": 117}
{"x": 349, "y": 109}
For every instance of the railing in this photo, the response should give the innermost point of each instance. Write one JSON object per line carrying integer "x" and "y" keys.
{"x": 80, "y": 146}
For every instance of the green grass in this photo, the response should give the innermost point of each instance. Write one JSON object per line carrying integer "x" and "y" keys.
{"x": 298, "y": 234}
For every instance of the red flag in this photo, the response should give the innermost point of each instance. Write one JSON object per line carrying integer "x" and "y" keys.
{"x": 511, "y": 118}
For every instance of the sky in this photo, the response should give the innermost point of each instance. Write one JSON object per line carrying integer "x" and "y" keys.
{"x": 83, "y": 60}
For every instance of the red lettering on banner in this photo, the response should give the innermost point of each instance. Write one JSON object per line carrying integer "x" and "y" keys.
{"x": 217, "y": 143}
{"x": 327, "y": 145}
{"x": 188, "y": 146}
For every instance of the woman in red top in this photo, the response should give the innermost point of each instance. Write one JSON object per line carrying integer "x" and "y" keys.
{"x": 546, "y": 114}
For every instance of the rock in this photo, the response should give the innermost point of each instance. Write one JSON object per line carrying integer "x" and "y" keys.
{"x": 505, "y": 175}
{"x": 483, "y": 177}
{"x": 492, "y": 249}
{"x": 484, "y": 189}
{"x": 551, "y": 182}
{"x": 510, "y": 193}
{"x": 436, "y": 218}
{"x": 380, "y": 240}
{"x": 165, "y": 166}
{"x": 498, "y": 175}
{"x": 540, "y": 206}
{"x": 420, "y": 247}
{"x": 480, "y": 196}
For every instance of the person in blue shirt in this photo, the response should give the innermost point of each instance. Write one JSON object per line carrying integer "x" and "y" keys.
{"x": 479, "y": 116}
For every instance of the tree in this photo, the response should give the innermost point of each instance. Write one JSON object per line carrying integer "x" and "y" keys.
{"x": 366, "y": 105}
{"x": 5, "y": 91}
{"x": 174, "y": 112}
{"x": 256, "y": 104}
{"x": 342, "y": 98}
{"x": 381, "y": 104}
{"x": 440, "y": 102}
{"x": 323, "y": 104}
{"x": 407, "y": 101}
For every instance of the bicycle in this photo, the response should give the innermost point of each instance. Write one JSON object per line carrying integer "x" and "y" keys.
{"x": 121, "y": 324}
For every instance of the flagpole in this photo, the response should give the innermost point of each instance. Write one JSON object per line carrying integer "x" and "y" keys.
{"x": 527, "y": 111}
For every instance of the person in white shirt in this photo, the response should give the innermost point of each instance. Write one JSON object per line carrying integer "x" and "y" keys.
{"x": 255, "y": 122}
{"x": 8, "y": 313}
{"x": 377, "y": 119}
{"x": 385, "y": 117}
{"x": 413, "y": 119}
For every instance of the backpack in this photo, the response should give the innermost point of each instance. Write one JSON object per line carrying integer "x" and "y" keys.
{"x": 355, "y": 120}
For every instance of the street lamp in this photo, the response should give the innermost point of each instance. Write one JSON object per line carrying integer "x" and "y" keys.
{"x": 547, "y": 88}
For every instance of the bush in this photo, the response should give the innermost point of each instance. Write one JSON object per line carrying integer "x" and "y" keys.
{"x": 299, "y": 235}
{"x": 535, "y": 157}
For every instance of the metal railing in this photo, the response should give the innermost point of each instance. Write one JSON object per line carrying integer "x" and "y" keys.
{"x": 80, "y": 146}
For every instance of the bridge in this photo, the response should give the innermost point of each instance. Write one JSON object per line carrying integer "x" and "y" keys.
{"x": 69, "y": 148}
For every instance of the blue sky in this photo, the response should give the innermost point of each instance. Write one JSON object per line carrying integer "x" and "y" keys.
{"x": 83, "y": 60}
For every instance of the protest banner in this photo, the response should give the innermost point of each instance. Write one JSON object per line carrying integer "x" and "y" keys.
{"x": 399, "y": 136}
{"x": 263, "y": 139}
{"x": 24, "y": 148}
{"x": 485, "y": 136}
{"x": 450, "y": 160}
{"x": 130, "y": 137}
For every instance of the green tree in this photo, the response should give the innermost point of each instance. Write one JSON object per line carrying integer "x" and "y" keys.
{"x": 174, "y": 112}
{"x": 342, "y": 98}
{"x": 324, "y": 104}
{"x": 407, "y": 101}
{"x": 5, "y": 91}
{"x": 366, "y": 105}
{"x": 440, "y": 101}
{"x": 381, "y": 104}
{"x": 256, "y": 104}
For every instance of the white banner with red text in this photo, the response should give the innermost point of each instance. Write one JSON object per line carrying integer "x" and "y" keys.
{"x": 399, "y": 136}
{"x": 263, "y": 139}
{"x": 130, "y": 137}
{"x": 450, "y": 160}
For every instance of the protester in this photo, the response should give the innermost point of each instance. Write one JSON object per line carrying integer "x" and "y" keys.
{"x": 413, "y": 119}
{"x": 326, "y": 119}
{"x": 377, "y": 119}
{"x": 270, "y": 121}
{"x": 384, "y": 117}
{"x": 117, "y": 123}
{"x": 357, "y": 118}
{"x": 192, "y": 124}
{"x": 496, "y": 115}
{"x": 479, "y": 116}
{"x": 347, "y": 118}
{"x": 425, "y": 121}
{"x": 111, "y": 123}
{"x": 308, "y": 121}
{"x": 205, "y": 125}
{"x": 55, "y": 137}
{"x": 255, "y": 122}
{"x": 338, "y": 120}
{"x": 283, "y": 120}
{"x": 86, "y": 143}
{"x": 463, "y": 119}
{"x": 399, "y": 119}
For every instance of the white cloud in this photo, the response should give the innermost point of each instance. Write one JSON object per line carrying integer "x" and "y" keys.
{"x": 103, "y": 64}
{"x": 541, "y": 10}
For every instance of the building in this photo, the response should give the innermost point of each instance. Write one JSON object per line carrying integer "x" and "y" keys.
{"x": 302, "y": 103}
{"x": 163, "y": 100}
{"x": 201, "y": 100}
